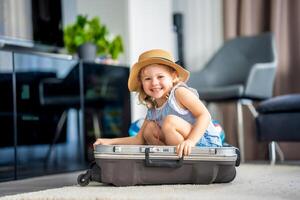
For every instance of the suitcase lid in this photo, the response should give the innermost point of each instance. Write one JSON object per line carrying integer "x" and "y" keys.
{"x": 164, "y": 152}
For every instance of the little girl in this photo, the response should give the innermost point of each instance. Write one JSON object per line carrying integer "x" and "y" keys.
{"x": 175, "y": 116}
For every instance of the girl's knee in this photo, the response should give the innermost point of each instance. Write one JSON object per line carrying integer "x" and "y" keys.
{"x": 150, "y": 131}
{"x": 150, "y": 126}
{"x": 169, "y": 130}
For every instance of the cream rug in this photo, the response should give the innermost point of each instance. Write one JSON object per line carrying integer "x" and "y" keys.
{"x": 252, "y": 182}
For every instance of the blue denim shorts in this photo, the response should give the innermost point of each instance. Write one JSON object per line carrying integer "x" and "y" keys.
{"x": 209, "y": 141}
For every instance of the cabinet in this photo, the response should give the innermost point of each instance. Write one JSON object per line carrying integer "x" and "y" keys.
{"x": 53, "y": 108}
{"x": 104, "y": 101}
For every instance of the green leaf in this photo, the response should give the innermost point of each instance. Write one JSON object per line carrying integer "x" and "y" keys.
{"x": 116, "y": 47}
{"x": 84, "y": 30}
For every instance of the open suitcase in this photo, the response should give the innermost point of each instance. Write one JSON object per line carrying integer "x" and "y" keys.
{"x": 126, "y": 165}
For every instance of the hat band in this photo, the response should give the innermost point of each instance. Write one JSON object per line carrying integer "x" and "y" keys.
{"x": 163, "y": 59}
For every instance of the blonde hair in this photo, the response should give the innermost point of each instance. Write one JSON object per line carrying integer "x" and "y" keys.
{"x": 145, "y": 99}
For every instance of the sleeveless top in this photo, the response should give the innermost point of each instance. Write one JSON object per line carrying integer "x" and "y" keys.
{"x": 211, "y": 137}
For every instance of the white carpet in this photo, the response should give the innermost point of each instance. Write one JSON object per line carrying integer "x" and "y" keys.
{"x": 252, "y": 182}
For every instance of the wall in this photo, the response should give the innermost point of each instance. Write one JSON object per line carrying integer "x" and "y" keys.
{"x": 150, "y": 26}
{"x": 203, "y": 30}
{"x": 112, "y": 13}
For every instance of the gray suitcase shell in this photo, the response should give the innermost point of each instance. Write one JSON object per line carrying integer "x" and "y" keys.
{"x": 126, "y": 165}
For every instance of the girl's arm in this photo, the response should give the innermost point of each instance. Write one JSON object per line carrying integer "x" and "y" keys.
{"x": 136, "y": 140}
{"x": 188, "y": 100}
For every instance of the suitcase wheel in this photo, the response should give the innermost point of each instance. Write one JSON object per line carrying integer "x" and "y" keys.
{"x": 84, "y": 179}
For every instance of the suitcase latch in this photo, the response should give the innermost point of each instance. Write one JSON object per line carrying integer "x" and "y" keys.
{"x": 117, "y": 149}
{"x": 157, "y": 150}
{"x": 212, "y": 151}
{"x": 152, "y": 149}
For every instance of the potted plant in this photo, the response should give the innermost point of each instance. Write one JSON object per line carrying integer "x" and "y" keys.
{"x": 92, "y": 34}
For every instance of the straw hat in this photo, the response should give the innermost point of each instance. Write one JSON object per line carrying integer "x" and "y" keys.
{"x": 155, "y": 56}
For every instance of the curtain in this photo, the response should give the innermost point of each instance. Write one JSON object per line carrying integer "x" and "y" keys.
{"x": 244, "y": 17}
{"x": 282, "y": 17}
{"x": 15, "y": 19}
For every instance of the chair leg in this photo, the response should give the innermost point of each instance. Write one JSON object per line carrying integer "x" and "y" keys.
{"x": 240, "y": 123}
{"x": 252, "y": 109}
{"x": 272, "y": 152}
{"x": 240, "y": 130}
{"x": 279, "y": 152}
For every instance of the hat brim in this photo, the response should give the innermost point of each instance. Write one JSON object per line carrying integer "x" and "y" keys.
{"x": 133, "y": 81}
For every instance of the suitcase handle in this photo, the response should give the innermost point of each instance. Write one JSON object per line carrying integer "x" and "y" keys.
{"x": 161, "y": 163}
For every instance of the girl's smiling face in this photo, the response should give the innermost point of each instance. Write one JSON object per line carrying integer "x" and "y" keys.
{"x": 157, "y": 81}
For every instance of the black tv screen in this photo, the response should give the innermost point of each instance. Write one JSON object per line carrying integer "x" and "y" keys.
{"x": 47, "y": 22}
{"x": 31, "y": 22}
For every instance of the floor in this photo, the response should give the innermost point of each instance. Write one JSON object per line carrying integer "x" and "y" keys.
{"x": 253, "y": 181}
{"x": 61, "y": 180}
{"x": 38, "y": 183}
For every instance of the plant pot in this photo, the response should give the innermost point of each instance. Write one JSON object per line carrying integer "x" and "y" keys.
{"x": 87, "y": 52}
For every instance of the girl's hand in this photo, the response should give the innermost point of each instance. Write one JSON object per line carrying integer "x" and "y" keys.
{"x": 185, "y": 148}
{"x": 102, "y": 141}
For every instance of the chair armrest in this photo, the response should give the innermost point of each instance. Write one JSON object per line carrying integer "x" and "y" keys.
{"x": 261, "y": 80}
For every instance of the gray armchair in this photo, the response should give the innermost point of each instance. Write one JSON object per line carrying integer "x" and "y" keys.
{"x": 242, "y": 70}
